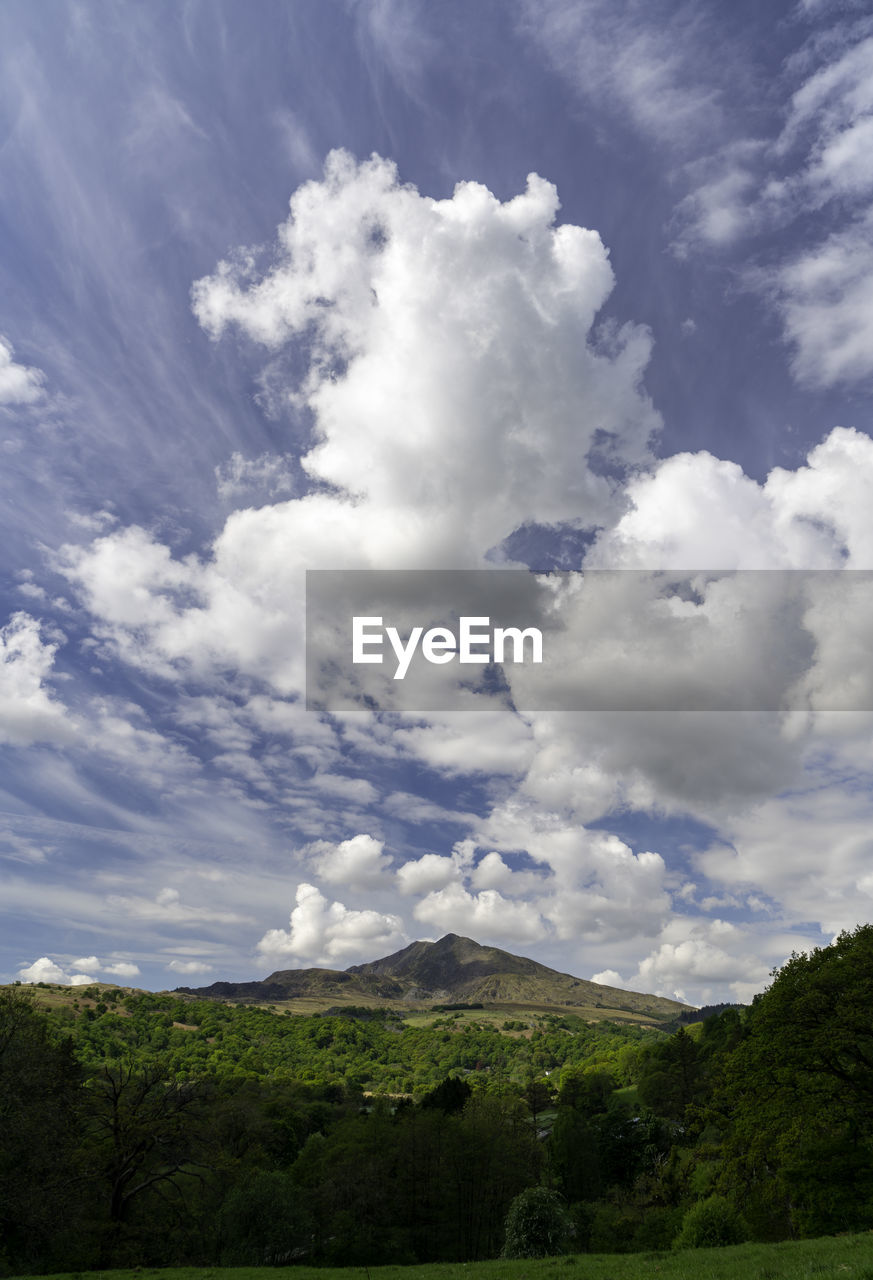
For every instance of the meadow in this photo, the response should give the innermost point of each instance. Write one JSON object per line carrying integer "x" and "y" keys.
{"x": 848, "y": 1257}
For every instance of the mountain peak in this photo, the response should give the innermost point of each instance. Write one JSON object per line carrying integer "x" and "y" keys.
{"x": 453, "y": 969}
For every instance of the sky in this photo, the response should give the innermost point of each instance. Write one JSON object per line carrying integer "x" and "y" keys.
{"x": 388, "y": 284}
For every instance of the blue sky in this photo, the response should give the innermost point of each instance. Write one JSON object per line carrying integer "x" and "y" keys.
{"x": 559, "y": 282}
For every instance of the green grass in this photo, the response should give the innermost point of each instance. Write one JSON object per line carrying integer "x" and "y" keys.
{"x": 848, "y": 1257}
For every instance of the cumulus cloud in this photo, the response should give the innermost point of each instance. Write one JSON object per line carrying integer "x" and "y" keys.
{"x": 46, "y": 970}
{"x": 609, "y": 978}
{"x": 322, "y": 931}
{"x": 588, "y": 886}
{"x": 19, "y": 384}
{"x": 358, "y": 863}
{"x": 617, "y": 894}
{"x": 29, "y": 712}
{"x": 809, "y": 851}
{"x": 439, "y": 428}
{"x": 454, "y": 389}
{"x": 485, "y": 915}
{"x": 704, "y": 958}
{"x": 369, "y": 265}
{"x": 430, "y": 872}
{"x": 485, "y": 741}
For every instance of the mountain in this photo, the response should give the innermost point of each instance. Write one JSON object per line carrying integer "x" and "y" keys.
{"x": 453, "y": 970}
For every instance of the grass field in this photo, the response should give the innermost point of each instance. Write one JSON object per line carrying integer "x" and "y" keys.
{"x": 848, "y": 1257}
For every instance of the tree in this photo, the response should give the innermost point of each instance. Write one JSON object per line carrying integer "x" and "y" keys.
{"x": 264, "y": 1221}
{"x": 538, "y": 1097}
{"x": 671, "y": 1076}
{"x": 537, "y": 1224}
{"x": 449, "y": 1096}
{"x": 145, "y": 1130}
{"x": 39, "y": 1130}
{"x": 574, "y": 1151}
{"x": 798, "y": 1095}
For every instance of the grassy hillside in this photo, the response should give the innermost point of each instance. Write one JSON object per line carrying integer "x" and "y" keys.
{"x": 847, "y": 1257}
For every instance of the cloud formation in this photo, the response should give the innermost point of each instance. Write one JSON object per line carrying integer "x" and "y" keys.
{"x": 29, "y": 709}
{"x": 453, "y": 385}
{"x": 19, "y": 384}
{"x": 326, "y": 932}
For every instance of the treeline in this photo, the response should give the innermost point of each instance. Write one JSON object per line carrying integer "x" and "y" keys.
{"x": 244, "y": 1137}
{"x": 367, "y": 1049}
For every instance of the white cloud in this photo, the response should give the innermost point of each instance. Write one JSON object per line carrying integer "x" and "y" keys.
{"x": 715, "y": 955}
{"x": 322, "y": 931}
{"x": 42, "y": 970}
{"x": 189, "y": 966}
{"x": 694, "y": 511}
{"x": 430, "y": 872}
{"x": 647, "y": 62}
{"x": 28, "y": 710}
{"x": 819, "y": 160}
{"x": 349, "y": 790}
{"x": 45, "y": 970}
{"x": 483, "y": 741}
{"x": 369, "y": 264}
{"x": 268, "y": 476}
{"x": 826, "y": 301}
{"x": 169, "y": 908}
{"x": 358, "y": 863}
{"x": 609, "y": 978}
{"x": 117, "y": 968}
{"x": 19, "y": 384}
{"x": 808, "y": 851}
{"x": 491, "y": 872}
{"x": 485, "y": 916}
{"x": 620, "y": 894}
{"x": 455, "y": 390}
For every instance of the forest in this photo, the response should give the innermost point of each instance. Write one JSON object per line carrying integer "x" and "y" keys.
{"x": 142, "y": 1129}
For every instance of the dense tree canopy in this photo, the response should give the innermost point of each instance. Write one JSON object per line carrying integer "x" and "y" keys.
{"x": 141, "y": 1129}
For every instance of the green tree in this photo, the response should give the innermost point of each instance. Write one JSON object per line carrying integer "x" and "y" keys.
{"x": 671, "y": 1076}
{"x": 797, "y": 1095}
{"x": 145, "y": 1134}
{"x": 537, "y": 1224}
{"x": 449, "y": 1096}
{"x": 264, "y": 1221}
{"x": 40, "y": 1189}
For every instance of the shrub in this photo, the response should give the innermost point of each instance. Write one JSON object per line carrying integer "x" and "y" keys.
{"x": 537, "y": 1224}
{"x": 711, "y": 1223}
